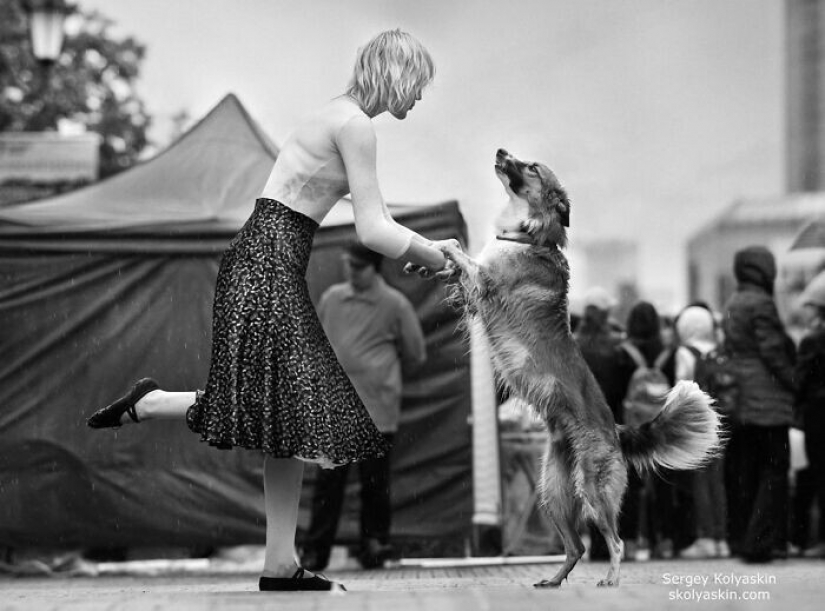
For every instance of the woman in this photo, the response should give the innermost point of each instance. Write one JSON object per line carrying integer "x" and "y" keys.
{"x": 274, "y": 382}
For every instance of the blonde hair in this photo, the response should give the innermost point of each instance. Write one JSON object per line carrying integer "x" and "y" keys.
{"x": 390, "y": 71}
{"x": 695, "y": 323}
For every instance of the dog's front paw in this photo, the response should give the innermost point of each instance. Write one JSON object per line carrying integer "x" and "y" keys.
{"x": 449, "y": 270}
{"x": 445, "y": 273}
{"x": 411, "y": 268}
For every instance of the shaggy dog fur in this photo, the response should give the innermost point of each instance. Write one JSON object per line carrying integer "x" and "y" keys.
{"x": 517, "y": 289}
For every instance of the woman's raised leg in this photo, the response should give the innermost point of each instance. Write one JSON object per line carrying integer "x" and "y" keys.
{"x": 164, "y": 405}
{"x": 144, "y": 401}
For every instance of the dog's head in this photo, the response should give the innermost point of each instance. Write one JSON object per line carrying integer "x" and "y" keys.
{"x": 549, "y": 207}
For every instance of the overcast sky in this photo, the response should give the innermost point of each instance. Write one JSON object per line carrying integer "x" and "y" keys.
{"x": 655, "y": 114}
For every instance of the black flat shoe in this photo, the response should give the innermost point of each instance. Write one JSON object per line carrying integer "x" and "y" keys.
{"x": 110, "y": 416}
{"x": 298, "y": 583}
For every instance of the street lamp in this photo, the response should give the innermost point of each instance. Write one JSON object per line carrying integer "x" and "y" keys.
{"x": 46, "y": 28}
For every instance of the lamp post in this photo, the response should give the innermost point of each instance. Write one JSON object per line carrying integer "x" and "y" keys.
{"x": 46, "y": 28}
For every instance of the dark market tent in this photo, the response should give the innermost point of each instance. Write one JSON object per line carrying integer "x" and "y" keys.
{"x": 115, "y": 281}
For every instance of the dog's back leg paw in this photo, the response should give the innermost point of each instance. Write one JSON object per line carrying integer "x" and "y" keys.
{"x": 547, "y": 583}
{"x": 608, "y": 583}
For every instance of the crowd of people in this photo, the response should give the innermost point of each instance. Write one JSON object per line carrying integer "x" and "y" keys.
{"x": 747, "y": 502}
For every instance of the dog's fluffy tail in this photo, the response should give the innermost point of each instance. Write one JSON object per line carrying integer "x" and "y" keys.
{"x": 684, "y": 435}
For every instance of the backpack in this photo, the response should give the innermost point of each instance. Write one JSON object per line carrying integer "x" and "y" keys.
{"x": 715, "y": 375}
{"x": 647, "y": 389}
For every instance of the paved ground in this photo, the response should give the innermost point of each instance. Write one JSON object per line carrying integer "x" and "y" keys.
{"x": 790, "y": 585}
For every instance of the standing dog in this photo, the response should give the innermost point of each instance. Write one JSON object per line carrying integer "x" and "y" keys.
{"x": 517, "y": 289}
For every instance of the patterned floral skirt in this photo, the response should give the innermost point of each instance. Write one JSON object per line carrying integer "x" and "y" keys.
{"x": 274, "y": 381}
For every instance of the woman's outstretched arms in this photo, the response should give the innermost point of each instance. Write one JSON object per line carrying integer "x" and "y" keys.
{"x": 375, "y": 227}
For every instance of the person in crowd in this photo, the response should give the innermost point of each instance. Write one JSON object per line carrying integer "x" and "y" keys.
{"x": 274, "y": 383}
{"x": 802, "y": 493}
{"x": 597, "y": 339}
{"x": 374, "y": 331}
{"x": 648, "y": 512}
{"x": 810, "y": 398}
{"x": 696, "y": 331}
{"x": 758, "y": 455}
{"x": 598, "y": 342}
{"x": 670, "y": 339}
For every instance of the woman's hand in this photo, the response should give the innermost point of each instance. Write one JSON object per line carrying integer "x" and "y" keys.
{"x": 445, "y": 273}
{"x": 448, "y": 245}
{"x": 449, "y": 269}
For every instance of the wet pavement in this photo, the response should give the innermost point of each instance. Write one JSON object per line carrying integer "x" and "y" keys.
{"x": 718, "y": 584}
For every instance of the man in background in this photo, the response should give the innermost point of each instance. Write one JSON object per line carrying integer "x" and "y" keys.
{"x": 374, "y": 331}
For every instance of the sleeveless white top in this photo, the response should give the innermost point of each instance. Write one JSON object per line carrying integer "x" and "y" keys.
{"x": 309, "y": 177}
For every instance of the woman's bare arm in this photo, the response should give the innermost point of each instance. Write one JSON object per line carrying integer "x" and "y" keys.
{"x": 374, "y": 225}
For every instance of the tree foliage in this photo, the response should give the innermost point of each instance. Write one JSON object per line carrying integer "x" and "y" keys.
{"x": 91, "y": 83}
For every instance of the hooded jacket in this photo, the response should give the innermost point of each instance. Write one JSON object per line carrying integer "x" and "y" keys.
{"x": 761, "y": 351}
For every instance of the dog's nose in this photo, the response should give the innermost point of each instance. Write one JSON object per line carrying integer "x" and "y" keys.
{"x": 501, "y": 153}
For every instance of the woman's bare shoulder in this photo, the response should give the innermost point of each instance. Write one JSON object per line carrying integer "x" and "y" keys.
{"x": 356, "y": 131}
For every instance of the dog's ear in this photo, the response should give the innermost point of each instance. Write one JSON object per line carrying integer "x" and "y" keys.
{"x": 556, "y": 198}
{"x": 549, "y": 211}
{"x": 563, "y": 207}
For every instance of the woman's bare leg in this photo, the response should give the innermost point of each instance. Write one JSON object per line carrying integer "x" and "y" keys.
{"x": 282, "y": 484}
{"x": 282, "y": 493}
{"x": 162, "y": 405}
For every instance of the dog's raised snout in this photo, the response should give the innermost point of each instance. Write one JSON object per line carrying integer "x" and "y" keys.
{"x": 502, "y": 153}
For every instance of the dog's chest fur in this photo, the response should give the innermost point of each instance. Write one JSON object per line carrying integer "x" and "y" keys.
{"x": 536, "y": 273}
{"x": 522, "y": 303}
{"x": 496, "y": 249}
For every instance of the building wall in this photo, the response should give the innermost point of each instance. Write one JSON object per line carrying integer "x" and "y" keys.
{"x": 710, "y": 258}
{"x": 612, "y": 263}
{"x": 805, "y": 100}
{"x": 44, "y": 157}
{"x": 34, "y": 165}
{"x": 711, "y": 251}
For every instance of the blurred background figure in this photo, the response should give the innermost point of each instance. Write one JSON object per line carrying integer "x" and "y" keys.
{"x": 670, "y": 338}
{"x": 696, "y": 332}
{"x": 598, "y": 341}
{"x": 648, "y": 515}
{"x": 810, "y": 369}
{"x": 374, "y": 331}
{"x": 758, "y": 454}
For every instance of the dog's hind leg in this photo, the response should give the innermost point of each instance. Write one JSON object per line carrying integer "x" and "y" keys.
{"x": 573, "y": 548}
{"x": 606, "y": 514}
{"x": 562, "y": 505}
{"x": 607, "y": 525}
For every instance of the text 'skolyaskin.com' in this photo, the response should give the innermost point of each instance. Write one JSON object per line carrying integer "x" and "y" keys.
{"x": 718, "y": 586}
